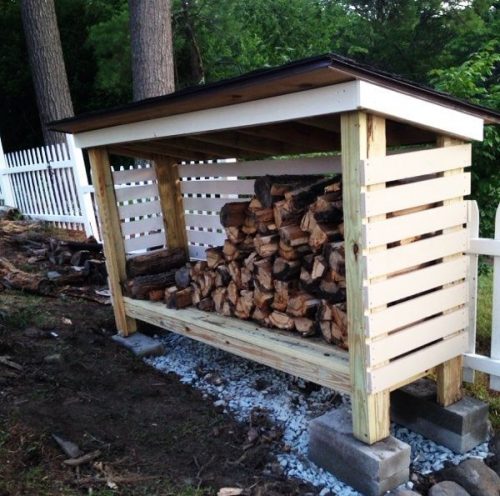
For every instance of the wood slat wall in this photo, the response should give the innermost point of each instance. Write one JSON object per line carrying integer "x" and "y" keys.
{"x": 425, "y": 292}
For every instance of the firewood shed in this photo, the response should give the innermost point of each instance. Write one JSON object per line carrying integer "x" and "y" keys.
{"x": 402, "y": 150}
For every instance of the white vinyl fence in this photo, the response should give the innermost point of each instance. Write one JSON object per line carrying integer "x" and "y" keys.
{"x": 48, "y": 183}
{"x": 491, "y": 247}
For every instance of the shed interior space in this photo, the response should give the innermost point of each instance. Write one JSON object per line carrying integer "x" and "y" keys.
{"x": 401, "y": 149}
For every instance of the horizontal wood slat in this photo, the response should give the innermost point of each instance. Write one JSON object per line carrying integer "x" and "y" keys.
{"x": 139, "y": 209}
{"x": 416, "y": 309}
{"x": 396, "y": 198}
{"x": 142, "y": 226}
{"x": 425, "y": 359}
{"x": 402, "y": 257}
{"x": 207, "y": 204}
{"x": 223, "y": 187}
{"x": 136, "y": 192}
{"x": 413, "y": 164}
{"x": 411, "y": 338}
{"x": 200, "y": 220}
{"x": 144, "y": 242}
{"x": 399, "y": 287}
{"x": 209, "y": 238}
{"x": 134, "y": 176}
{"x": 414, "y": 224}
{"x": 255, "y": 168}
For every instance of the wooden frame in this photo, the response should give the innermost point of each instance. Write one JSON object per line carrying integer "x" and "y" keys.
{"x": 405, "y": 236}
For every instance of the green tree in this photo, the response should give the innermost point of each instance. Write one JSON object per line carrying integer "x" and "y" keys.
{"x": 478, "y": 80}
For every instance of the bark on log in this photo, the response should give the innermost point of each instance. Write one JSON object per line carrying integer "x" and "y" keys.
{"x": 233, "y": 214}
{"x": 183, "y": 277}
{"x": 12, "y": 277}
{"x": 282, "y": 321}
{"x": 140, "y": 286}
{"x": 268, "y": 188}
{"x": 156, "y": 262}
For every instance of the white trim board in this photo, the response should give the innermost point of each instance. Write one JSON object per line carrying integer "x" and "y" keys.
{"x": 337, "y": 98}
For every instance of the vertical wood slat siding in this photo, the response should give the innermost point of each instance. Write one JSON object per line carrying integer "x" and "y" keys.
{"x": 408, "y": 337}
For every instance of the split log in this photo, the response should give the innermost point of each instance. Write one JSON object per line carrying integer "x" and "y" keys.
{"x": 306, "y": 327}
{"x": 140, "y": 286}
{"x": 305, "y": 195}
{"x": 285, "y": 213}
{"x": 250, "y": 260}
{"x": 281, "y": 321}
{"x": 268, "y": 188}
{"x": 206, "y": 304}
{"x": 266, "y": 246}
{"x": 227, "y": 309}
{"x": 235, "y": 273}
{"x": 261, "y": 316}
{"x": 156, "y": 262}
{"x": 12, "y": 277}
{"x": 196, "y": 295}
{"x": 233, "y": 293}
{"x": 293, "y": 235}
{"x": 319, "y": 267}
{"x": 335, "y": 330}
{"x": 219, "y": 297}
{"x": 156, "y": 295}
{"x": 222, "y": 276}
{"x": 233, "y": 214}
{"x": 282, "y": 292}
{"x": 292, "y": 252}
{"x": 246, "y": 278}
{"x": 302, "y": 305}
{"x": 230, "y": 251}
{"x": 235, "y": 234}
{"x": 264, "y": 273}
{"x": 263, "y": 298}
{"x": 249, "y": 225}
{"x": 244, "y": 305}
{"x": 206, "y": 283}
{"x": 183, "y": 277}
{"x": 198, "y": 268}
{"x": 322, "y": 233}
{"x": 179, "y": 298}
{"x": 286, "y": 270}
{"x": 215, "y": 257}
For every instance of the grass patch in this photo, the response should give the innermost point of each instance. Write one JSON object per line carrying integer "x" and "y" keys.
{"x": 480, "y": 387}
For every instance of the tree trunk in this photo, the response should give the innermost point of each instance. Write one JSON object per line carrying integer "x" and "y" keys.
{"x": 47, "y": 65}
{"x": 152, "y": 52}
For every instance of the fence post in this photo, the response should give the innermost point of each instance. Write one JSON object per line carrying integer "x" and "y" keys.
{"x": 495, "y": 320}
{"x": 473, "y": 225}
{"x": 83, "y": 189}
{"x": 5, "y": 184}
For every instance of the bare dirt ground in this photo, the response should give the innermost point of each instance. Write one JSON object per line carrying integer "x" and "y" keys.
{"x": 61, "y": 374}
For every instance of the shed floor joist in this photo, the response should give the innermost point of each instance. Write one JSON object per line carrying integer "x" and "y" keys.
{"x": 309, "y": 359}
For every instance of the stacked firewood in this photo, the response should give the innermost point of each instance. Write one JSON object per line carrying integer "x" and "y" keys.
{"x": 282, "y": 263}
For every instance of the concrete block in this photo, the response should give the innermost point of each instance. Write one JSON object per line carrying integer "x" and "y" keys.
{"x": 460, "y": 427}
{"x": 372, "y": 470}
{"x": 140, "y": 344}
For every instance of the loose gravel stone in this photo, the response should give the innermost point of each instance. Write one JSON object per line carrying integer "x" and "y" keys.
{"x": 474, "y": 476}
{"x": 290, "y": 403}
{"x": 447, "y": 488}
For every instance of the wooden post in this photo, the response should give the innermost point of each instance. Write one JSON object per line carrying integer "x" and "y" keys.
{"x": 449, "y": 374}
{"x": 112, "y": 238}
{"x": 169, "y": 188}
{"x": 362, "y": 136}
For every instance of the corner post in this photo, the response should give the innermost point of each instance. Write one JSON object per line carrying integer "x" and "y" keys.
{"x": 449, "y": 374}
{"x": 362, "y": 136}
{"x": 169, "y": 188}
{"x": 111, "y": 233}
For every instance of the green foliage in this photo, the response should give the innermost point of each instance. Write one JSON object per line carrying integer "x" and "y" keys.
{"x": 477, "y": 80}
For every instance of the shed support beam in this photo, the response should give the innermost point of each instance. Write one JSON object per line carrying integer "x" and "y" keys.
{"x": 362, "y": 137}
{"x": 114, "y": 249}
{"x": 449, "y": 374}
{"x": 169, "y": 188}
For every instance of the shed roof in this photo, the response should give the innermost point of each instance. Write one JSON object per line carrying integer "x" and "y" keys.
{"x": 305, "y": 74}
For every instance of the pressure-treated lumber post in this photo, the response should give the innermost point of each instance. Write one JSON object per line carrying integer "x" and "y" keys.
{"x": 169, "y": 188}
{"x": 112, "y": 238}
{"x": 449, "y": 374}
{"x": 362, "y": 136}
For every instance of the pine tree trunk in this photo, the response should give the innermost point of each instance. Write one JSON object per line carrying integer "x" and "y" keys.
{"x": 47, "y": 65}
{"x": 152, "y": 52}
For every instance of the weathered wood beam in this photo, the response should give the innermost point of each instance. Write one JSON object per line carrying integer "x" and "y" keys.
{"x": 249, "y": 143}
{"x": 114, "y": 248}
{"x": 316, "y": 139}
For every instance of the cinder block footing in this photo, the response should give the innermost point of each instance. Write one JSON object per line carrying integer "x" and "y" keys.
{"x": 140, "y": 344}
{"x": 372, "y": 470}
{"x": 460, "y": 426}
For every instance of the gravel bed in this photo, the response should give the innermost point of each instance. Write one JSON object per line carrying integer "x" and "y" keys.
{"x": 240, "y": 385}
